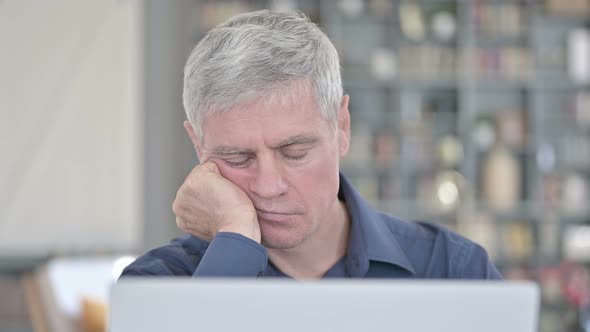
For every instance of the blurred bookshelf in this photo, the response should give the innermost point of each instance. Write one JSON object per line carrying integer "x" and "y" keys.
{"x": 472, "y": 114}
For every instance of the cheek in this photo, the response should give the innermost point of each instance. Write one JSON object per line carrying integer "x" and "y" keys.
{"x": 319, "y": 182}
{"x": 237, "y": 176}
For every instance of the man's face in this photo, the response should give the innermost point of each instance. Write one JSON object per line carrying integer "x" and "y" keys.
{"x": 285, "y": 157}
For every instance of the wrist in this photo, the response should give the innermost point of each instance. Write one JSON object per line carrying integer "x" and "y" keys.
{"x": 248, "y": 229}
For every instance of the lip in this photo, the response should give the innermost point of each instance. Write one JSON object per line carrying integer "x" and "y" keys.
{"x": 274, "y": 216}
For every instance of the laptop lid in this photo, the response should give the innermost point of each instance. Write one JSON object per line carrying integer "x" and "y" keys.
{"x": 179, "y": 304}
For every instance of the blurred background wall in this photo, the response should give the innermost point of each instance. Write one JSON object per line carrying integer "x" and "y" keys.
{"x": 71, "y": 126}
{"x": 91, "y": 124}
{"x": 472, "y": 114}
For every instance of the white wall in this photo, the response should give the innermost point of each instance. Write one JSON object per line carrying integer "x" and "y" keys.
{"x": 168, "y": 154}
{"x": 71, "y": 128}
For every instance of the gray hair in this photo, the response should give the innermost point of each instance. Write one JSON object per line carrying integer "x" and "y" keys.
{"x": 254, "y": 54}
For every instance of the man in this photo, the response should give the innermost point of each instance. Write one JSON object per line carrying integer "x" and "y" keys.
{"x": 269, "y": 123}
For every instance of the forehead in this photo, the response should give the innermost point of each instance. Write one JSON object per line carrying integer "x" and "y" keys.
{"x": 269, "y": 119}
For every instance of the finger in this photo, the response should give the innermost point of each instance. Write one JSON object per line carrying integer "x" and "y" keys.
{"x": 207, "y": 167}
{"x": 180, "y": 223}
{"x": 211, "y": 166}
{"x": 209, "y": 159}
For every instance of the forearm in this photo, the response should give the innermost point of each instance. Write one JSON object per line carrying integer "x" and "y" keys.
{"x": 232, "y": 255}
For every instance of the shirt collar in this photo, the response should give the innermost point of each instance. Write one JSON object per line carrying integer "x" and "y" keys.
{"x": 370, "y": 238}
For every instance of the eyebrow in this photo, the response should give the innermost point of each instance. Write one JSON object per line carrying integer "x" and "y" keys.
{"x": 230, "y": 150}
{"x": 293, "y": 140}
{"x": 297, "y": 139}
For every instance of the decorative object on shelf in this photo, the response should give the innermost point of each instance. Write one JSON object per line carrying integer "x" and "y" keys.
{"x": 411, "y": 20}
{"x": 550, "y": 278}
{"x": 575, "y": 197}
{"x": 575, "y": 288}
{"x": 484, "y": 133}
{"x": 440, "y": 193}
{"x": 581, "y": 109}
{"x": 384, "y": 64}
{"x": 512, "y": 128}
{"x": 546, "y": 157}
{"x": 449, "y": 186}
{"x": 518, "y": 241}
{"x": 444, "y": 25}
{"x": 450, "y": 151}
{"x": 567, "y": 285}
{"x": 576, "y": 243}
{"x": 501, "y": 179}
{"x": 579, "y": 55}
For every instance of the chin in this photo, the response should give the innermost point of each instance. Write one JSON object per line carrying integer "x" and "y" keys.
{"x": 281, "y": 239}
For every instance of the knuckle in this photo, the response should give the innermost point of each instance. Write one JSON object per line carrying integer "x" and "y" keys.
{"x": 176, "y": 207}
{"x": 180, "y": 223}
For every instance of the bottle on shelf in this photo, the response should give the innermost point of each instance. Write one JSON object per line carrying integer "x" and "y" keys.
{"x": 501, "y": 179}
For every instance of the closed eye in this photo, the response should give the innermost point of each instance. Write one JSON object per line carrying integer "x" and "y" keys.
{"x": 295, "y": 156}
{"x": 241, "y": 162}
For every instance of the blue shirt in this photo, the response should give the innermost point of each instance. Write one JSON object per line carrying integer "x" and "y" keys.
{"x": 380, "y": 246}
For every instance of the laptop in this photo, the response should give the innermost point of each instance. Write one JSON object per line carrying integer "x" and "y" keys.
{"x": 179, "y": 304}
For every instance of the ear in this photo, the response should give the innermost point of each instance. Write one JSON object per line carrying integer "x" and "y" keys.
{"x": 344, "y": 126}
{"x": 191, "y": 134}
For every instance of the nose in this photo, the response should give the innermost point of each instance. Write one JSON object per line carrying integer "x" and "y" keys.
{"x": 268, "y": 182}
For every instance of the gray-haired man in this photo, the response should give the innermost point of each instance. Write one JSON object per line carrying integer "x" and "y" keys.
{"x": 269, "y": 123}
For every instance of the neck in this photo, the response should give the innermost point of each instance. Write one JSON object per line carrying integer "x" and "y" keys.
{"x": 320, "y": 252}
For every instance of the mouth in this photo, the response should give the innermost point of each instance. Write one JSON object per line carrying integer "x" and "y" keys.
{"x": 274, "y": 216}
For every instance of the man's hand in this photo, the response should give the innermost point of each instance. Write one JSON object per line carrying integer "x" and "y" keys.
{"x": 207, "y": 203}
